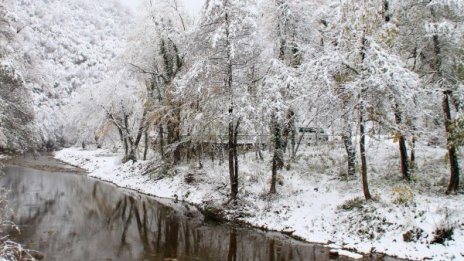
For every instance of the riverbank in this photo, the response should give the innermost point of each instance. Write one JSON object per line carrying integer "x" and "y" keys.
{"x": 103, "y": 222}
{"x": 315, "y": 201}
{"x": 3, "y": 157}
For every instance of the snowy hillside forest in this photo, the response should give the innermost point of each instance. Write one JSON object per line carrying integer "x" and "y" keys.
{"x": 254, "y": 106}
{"x": 50, "y": 51}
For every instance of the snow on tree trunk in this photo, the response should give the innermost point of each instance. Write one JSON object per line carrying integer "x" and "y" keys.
{"x": 362, "y": 150}
{"x": 402, "y": 146}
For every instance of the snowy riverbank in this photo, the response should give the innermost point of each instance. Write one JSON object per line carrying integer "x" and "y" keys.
{"x": 314, "y": 202}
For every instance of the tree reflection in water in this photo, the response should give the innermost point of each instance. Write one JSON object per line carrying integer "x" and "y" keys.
{"x": 72, "y": 217}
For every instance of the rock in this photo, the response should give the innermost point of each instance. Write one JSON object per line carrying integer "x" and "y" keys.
{"x": 333, "y": 254}
{"x": 215, "y": 214}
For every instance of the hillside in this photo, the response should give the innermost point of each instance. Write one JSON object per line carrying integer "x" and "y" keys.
{"x": 61, "y": 48}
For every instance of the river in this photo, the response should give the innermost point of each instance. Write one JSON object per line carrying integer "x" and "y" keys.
{"x": 68, "y": 216}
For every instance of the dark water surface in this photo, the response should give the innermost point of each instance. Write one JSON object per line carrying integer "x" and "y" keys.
{"x": 69, "y": 216}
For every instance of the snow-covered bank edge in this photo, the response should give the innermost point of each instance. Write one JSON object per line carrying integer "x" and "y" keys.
{"x": 63, "y": 156}
{"x": 313, "y": 222}
{"x": 4, "y": 157}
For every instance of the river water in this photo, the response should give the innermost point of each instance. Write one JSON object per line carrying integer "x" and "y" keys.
{"x": 68, "y": 216}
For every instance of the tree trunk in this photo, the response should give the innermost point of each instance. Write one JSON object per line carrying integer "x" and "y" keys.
{"x": 132, "y": 156}
{"x": 453, "y": 185}
{"x": 126, "y": 148}
{"x": 347, "y": 138}
{"x": 236, "y": 158}
{"x": 145, "y": 149}
{"x": 404, "y": 159}
{"x": 274, "y": 176}
{"x": 134, "y": 144}
{"x": 412, "y": 162}
{"x": 402, "y": 146}
{"x": 362, "y": 149}
{"x": 362, "y": 130}
{"x": 289, "y": 132}
{"x": 350, "y": 152}
{"x": 295, "y": 151}
{"x": 200, "y": 156}
{"x": 233, "y": 161}
{"x": 174, "y": 136}
{"x": 277, "y": 160}
{"x": 123, "y": 141}
{"x": 452, "y": 155}
{"x": 176, "y": 155}
{"x": 233, "y": 190}
{"x": 161, "y": 141}
{"x": 189, "y": 150}
{"x": 212, "y": 151}
{"x": 173, "y": 141}
{"x": 293, "y": 139}
{"x": 177, "y": 140}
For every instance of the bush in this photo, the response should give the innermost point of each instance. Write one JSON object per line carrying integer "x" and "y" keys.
{"x": 214, "y": 213}
{"x": 443, "y": 234}
{"x": 352, "y": 204}
{"x": 402, "y": 194}
{"x": 279, "y": 180}
{"x": 444, "y": 231}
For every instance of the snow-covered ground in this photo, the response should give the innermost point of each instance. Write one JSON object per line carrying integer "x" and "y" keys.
{"x": 315, "y": 201}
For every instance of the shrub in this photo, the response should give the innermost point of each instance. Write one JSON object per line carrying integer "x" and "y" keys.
{"x": 444, "y": 231}
{"x": 214, "y": 213}
{"x": 402, "y": 194}
{"x": 442, "y": 234}
{"x": 352, "y": 204}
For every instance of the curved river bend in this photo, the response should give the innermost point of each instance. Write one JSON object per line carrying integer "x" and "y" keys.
{"x": 69, "y": 216}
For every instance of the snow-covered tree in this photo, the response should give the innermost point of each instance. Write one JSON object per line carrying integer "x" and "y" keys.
{"x": 137, "y": 98}
{"x": 432, "y": 38}
{"x": 287, "y": 29}
{"x": 216, "y": 86}
{"x": 363, "y": 73}
{"x": 155, "y": 52}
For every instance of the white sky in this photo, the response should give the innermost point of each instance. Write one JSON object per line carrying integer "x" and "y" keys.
{"x": 192, "y": 6}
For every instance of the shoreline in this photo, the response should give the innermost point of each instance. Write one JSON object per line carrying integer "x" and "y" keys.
{"x": 334, "y": 249}
{"x": 106, "y": 166}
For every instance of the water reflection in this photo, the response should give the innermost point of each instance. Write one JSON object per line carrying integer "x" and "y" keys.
{"x": 71, "y": 217}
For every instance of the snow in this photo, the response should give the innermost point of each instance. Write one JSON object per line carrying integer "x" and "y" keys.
{"x": 349, "y": 254}
{"x": 309, "y": 199}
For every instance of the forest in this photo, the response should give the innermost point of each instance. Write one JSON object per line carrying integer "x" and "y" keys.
{"x": 337, "y": 122}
